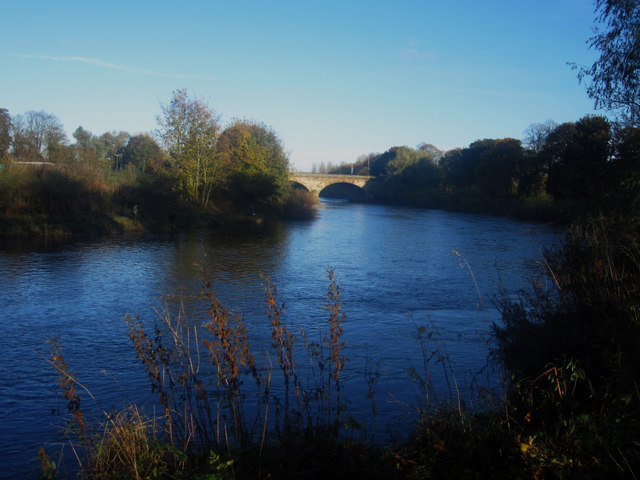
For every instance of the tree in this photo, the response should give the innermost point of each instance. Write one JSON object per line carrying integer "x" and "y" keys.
{"x": 143, "y": 153}
{"x": 256, "y": 165}
{"x": 434, "y": 152}
{"x": 83, "y": 138}
{"x": 577, "y": 159}
{"x": 615, "y": 76}
{"x": 110, "y": 146}
{"x": 38, "y": 136}
{"x": 453, "y": 171}
{"x": 496, "y": 171}
{"x": 85, "y": 146}
{"x": 423, "y": 174}
{"x": 363, "y": 164}
{"x": 532, "y": 175}
{"x": 189, "y": 130}
{"x": 536, "y": 135}
{"x": 404, "y": 157}
{"x": 5, "y": 132}
{"x": 385, "y": 163}
{"x": 461, "y": 166}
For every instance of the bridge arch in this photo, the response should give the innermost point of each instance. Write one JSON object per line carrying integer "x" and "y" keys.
{"x": 316, "y": 182}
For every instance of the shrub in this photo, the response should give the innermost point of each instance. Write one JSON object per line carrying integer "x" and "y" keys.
{"x": 573, "y": 347}
{"x": 298, "y": 204}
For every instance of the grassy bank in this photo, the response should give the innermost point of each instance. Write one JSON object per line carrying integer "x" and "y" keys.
{"x": 537, "y": 208}
{"x": 86, "y": 199}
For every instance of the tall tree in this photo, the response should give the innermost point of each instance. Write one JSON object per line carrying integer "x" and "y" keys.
{"x": 536, "y": 134}
{"x": 143, "y": 153}
{"x": 83, "y": 138}
{"x": 5, "y": 132}
{"x": 614, "y": 78}
{"x": 577, "y": 158}
{"x": 379, "y": 164}
{"x": 38, "y": 136}
{"x": 461, "y": 167}
{"x": 404, "y": 157}
{"x": 110, "y": 145}
{"x": 255, "y": 161}
{"x": 85, "y": 146}
{"x": 434, "y": 152}
{"x": 189, "y": 130}
{"x": 497, "y": 170}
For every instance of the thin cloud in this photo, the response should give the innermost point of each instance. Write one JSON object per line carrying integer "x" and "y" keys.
{"x": 412, "y": 52}
{"x": 415, "y": 54}
{"x": 113, "y": 66}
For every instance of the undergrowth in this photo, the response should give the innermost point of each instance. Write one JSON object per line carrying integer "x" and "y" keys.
{"x": 89, "y": 199}
{"x": 573, "y": 349}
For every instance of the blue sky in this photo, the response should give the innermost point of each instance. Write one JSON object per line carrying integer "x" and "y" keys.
{"x": 335, "y": 79}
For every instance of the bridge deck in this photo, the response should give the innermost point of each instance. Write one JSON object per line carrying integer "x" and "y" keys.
{"x": 316, "y": 182}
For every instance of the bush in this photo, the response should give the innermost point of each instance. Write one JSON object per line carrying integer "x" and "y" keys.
{"x": 573, "y": 347}
{"x": 298, "y": 204}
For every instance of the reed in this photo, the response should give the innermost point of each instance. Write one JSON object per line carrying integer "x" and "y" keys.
{"x": 200, "y": 414}
{"x": 130, "y": 445}
{"x": 227, "y": 411}
{"x": 335, "y": 345}
{"x": 283, "y": 342}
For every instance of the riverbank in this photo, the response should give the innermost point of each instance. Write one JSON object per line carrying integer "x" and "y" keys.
{"x": 60, "y": 202}
{"x": 541, "y": 208}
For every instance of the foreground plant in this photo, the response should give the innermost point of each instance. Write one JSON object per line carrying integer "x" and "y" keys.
{"x": 198, "y": 371}
{"x": 573, "y": 349}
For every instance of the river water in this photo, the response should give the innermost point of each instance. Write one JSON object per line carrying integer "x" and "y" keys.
{"x": 398, "y": 268}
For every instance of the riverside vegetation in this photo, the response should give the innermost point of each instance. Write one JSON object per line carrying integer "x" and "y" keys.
{"x": 192, "y": 173}
{"x": 64, "y": 201}
{"x": 116, "y": 182}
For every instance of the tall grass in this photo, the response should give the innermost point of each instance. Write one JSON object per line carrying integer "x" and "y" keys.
{"x": 58, "y": 200}
{"x": 214, "y": 398}
{"x": 85, "y": 198}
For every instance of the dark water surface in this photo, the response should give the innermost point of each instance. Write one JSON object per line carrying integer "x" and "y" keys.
{"x": 396, "y": 268}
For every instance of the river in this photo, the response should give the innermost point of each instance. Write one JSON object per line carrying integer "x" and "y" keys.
{"x": 398, "y": 268}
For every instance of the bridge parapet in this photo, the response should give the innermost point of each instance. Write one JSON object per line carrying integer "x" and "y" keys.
{"x": 315, "y": 182}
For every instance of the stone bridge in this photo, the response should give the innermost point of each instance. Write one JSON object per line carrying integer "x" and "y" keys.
{"x": 316, "y": 182}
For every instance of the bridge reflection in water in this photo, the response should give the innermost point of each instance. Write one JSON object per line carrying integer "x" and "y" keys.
{"x": 316, "y": 182}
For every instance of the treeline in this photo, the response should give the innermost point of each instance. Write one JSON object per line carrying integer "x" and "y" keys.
{"x": 192, "y": 170}
{"x": 556, "y": 173}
